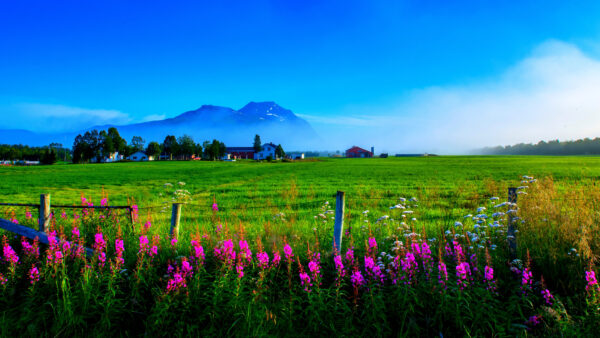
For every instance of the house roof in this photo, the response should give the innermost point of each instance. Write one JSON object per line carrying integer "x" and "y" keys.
{"x": 356, "y": 149}
{"x": 230, "y": 149}
{"x": 138, "y": 152}
{"x": 270, "y": 144}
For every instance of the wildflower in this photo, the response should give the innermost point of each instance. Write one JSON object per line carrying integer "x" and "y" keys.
{"x": 99, "y": 242}
{"x": 143, "y": 244}
{"x": 263, "y": 259}
{"x": 357, "y": 279}
{"x": 526, "y": 279}
{"x": 442, "y": 274}
{"x": 287, "y": 250}
{"x": 305, "y": 281}
{"x": 147, "y": 225}
{"x": 176, "y": 283}
{"x": 10, "y": 256}
{"x": 372, "y": 243}
{"x": 314, "y": 266}
{"x": 28, "y": 215}
{"x": 409, "y": 266}
{"x": 225, "y": 252}
{"x": 239, "y": 268}
{"x": 30, "y": 250}
{"x": 339, "y": 266}
{"x": 373, "y": 270}
{"x": 3, "y": 279}
{"x": 119, "y": 249}
{"x": 245, "y": 252}
{"x": 590, "y": 278}
{"x": 102, "y": 258}
{"x": 75, "y": 233}
{"x": 548, "y": 297}
{"x": 186, "y": 268}
{"x": 198, "y": 252}
{"x": 276, "y": 259}
{"x": 58, "y": 256}
{"x": 103, "y": 202}
{"x": 463, "y": 270}
{"x": 350, "y": 256}
{"x": 173, "y": 242}
{"x": 533, "y": 320}
{"x": 34, "y": 275}
{"x": 215, "y": 207}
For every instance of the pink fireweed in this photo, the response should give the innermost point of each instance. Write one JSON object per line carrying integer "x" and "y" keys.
{"x": 350, "y": 256}
{"x": 186, "y": 268}
{"x": 3, "y": 280}
{"x": 409, "y": 267}
{"x": 134, "y": 213}
{"x": 339, "y": 266}
{"x": 75, "y": 233}
{"x": 34, "y": 275}
{"x": 29, "y": 249}
{"x": 66, "y": 247}
{"x": 488, "y": 276}
{"x": 287, "y": 250}
{"x": 239, "y": 268}
{"x": 526, "y": 280}
{"x": 442, "y": 274}
{"x": 263, "y": 259}
{"x": 357, "y": 279}
{"x": 101, "y": 259}
{"x": 198, "y": 257}
{"x": 458, "y": 251}
{"x": 463, "y": 271}
{"x": 305, "y": 280}
{"x": 373, "y": 270}
{"x": 28, "y": 215}
{"x": 215, "y": 207}
{"x": 276, "y": 259}
{"x": 53, "y": 247}
{"x": 14, "y": 220}
{"x": 103, "y": 202}
{"x": 592, "y": 282}
{"x": 245, "y": 253}
{"x": 99, "y": 242}
{"x": 173, "y": 242}
{"x": 144, "y": 244}
{"x": 372, "y": 243}
{"x": 147, "y": 225}
{"x": 314, "y": 267}
{"x": 63, "y": 215}
{"x": 548, "y": 297}
{"x": 176, "y": 283}
{"x": 225, "y": 252}
{"x": 119, "y": 249}
{"x": 10, "y": 256}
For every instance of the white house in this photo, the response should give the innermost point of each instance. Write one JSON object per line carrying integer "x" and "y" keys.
{"x": 268, "y": 149}
{"x": 113, "y": 157}
{"x": 140, "y": 156}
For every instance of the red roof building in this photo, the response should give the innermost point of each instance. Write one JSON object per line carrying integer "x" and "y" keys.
{"x": 357, "y": 152}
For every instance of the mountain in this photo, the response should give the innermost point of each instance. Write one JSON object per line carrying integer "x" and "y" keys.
{"x": 234, "y": 127}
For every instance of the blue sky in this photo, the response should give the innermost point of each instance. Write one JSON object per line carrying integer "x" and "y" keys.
{"x": 343, "y": 65}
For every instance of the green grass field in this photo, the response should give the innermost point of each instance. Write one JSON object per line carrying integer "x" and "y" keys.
{"x": 446, "y": 187}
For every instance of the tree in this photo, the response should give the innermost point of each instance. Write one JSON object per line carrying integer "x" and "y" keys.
{"x": 206, "y": 147}
{"x": 170, "y": 146}
{"x": 187, "y": 146}
{"x": 49, "y": 156}
{"x": 279, "y": 153}
{"x": 257, "y": 144}
{"x": 119, "y": 143}
{"x": 137, "y": 143}
{"x": 108, "y": 145}
{"x": 153, "y": 149}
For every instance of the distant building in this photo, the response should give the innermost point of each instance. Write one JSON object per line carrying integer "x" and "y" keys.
{"x": 240, "y": 152}
{"x": 358, "y": 152}
{"x": 295, "y": 156}
{"x": 268, "y": 149}
{"x": 140, "y": 156}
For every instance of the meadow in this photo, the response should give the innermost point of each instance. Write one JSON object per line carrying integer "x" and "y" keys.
{"x": 424, "y": 249}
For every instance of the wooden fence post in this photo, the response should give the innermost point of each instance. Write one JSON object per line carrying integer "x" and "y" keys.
{"x": 512, "y": 238}
{"x": 175, "y": 217}
{"x": 338, "y": 228}
{"x": 44, "y": 216}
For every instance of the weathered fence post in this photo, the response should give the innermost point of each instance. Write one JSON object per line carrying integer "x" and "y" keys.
{"x": 44, "y": 217}
{"x": 338, "y": 228}
{"x": 175, "y": 217}
{"x": 512, "y": 238}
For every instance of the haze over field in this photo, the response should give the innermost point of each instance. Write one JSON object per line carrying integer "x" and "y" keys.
{"x": 407, "y": 78}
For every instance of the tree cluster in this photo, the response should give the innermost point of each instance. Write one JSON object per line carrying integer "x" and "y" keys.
{"x": 585, "y": 146}
{"x": 46, "y": 155}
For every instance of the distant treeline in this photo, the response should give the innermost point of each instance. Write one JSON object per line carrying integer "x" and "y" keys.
{"x": 46, "y": 155}
{"x": 95, "y": 146}
{"x": 585, "y": 146}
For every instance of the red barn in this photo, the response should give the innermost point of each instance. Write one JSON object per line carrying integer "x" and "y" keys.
{"x": 241, "y": 152}
{"x": 358, "y": 152}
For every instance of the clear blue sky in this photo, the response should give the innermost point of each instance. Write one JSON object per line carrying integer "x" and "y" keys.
{"x": 153, "y": 58}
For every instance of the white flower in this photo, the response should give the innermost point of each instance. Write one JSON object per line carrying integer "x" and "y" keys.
{"x": 458, "y": 224}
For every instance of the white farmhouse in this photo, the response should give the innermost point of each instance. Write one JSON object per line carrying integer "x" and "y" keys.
{"x": 140, "y": 156}
{"x": 268, "y": 149}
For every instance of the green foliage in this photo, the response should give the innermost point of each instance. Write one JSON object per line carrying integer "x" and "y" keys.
{"x": 585, "y": 146}
{"x": 257, "y": 143}
{"x": 153, "y": 149}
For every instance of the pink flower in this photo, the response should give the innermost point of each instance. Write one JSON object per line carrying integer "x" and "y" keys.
{"x": 173, "y": 242}
{"x": 357, "y": 279}
{"x": 215, "y": 207}
{"x": 198, "y": 252}
{"x": 548, "y": 297}
{"x": 176, "y": 283}
{"x": 10, "y": 255}
{"x": 34, "y": 275}
{"x": 526, "y": 279}
{"x": 276, "y": 259}
{"x": 287, "y": 250}
{"x": 263, "y": 259}
{"x": 103, "y": 202}
{"x": 75, "y": 233}
{"x": 373, "y": 270}
{"x": 590, "y": 278}
{"x": 350, "y": 256}
{"x": 143, "y": 244}
{"x": 3, "y": 279}
{"x": 339, "y": 265}
{"x": 372, "y": 243}
{"x": 463, "y": 270}
{"x": 186, "y": 268}
{"x": 28, "y": 215}
{"x": 245, "y": 252}
{"x": 99, "y": 242}
{"x": 305, "y": 281}
{"x": 442, "y": 274}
